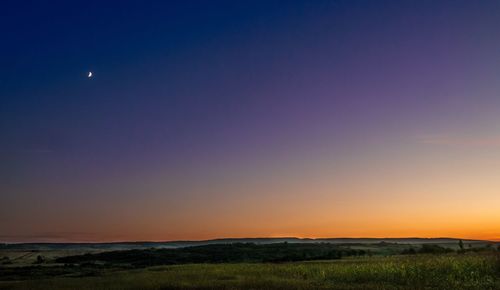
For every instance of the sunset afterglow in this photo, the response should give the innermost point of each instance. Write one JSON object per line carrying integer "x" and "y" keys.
{"x": 263, "y": 119}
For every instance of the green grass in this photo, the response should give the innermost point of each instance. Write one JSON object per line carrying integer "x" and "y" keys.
{"x": 451, "y": 271}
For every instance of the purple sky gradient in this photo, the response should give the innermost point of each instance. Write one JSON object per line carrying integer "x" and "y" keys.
{"x": 199, "y": 112}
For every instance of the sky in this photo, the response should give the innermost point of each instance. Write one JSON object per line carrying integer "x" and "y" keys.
{"x": 214, "y": 119}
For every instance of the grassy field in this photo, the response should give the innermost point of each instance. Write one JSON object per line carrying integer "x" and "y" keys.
{"x": 448, "y": 271}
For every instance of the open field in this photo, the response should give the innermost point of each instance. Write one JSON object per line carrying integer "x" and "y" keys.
{"x": 447, "y": 271}
{"x": 382, "y": 265}
{"x": 26, "y": 254}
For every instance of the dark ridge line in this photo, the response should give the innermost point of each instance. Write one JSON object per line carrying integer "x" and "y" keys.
{"x": 228, "y": 240}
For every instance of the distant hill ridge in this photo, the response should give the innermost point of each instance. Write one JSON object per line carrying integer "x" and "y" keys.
{"x": 181, "y": 244}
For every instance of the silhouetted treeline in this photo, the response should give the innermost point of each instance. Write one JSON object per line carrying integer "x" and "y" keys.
{"x": 436, "y": 249}
{"x": 427, "y": 249}
{"x": 226, "y": 253}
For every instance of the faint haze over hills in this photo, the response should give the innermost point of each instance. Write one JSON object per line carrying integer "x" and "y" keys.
{"x": 177, "y": 244}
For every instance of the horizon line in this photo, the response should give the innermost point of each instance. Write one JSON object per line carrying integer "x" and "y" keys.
{"x": 496, "y": 240}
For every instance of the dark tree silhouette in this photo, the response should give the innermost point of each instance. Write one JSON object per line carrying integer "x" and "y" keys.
{"x": 39, "y": 259}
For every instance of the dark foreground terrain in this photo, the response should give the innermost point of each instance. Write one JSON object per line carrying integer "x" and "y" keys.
{"x": 258, "y": 266}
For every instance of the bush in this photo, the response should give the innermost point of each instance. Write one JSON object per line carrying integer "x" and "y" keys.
{"x": 39, "y": 259}
{"x": 409, "y": 251}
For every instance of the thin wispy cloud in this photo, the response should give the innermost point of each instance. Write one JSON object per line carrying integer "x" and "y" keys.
{"x": 462, "y": 141}
{"x": 38, "y": 151}
{"x": 29, "y": 151}
{"x": 49, "y": 237}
